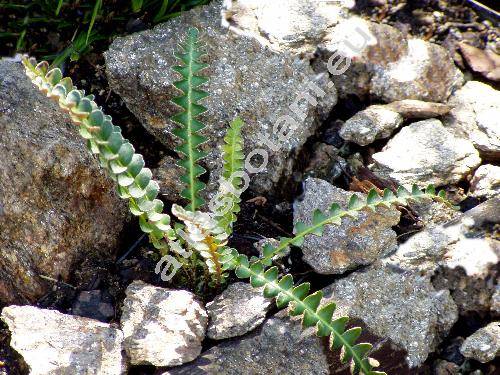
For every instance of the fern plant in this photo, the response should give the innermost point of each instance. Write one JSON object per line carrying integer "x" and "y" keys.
{"x": 207, "y": 233}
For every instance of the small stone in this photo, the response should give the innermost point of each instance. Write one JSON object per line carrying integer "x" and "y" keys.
{"x": 280, "y": 346}
{"x": 238, "y": 310}
{"x": 325, "y": 163}
{"x": 355, "y": 242}
{"x": 94, "y": 304}
{"x": 484, "y": 344}
{"x": 55, "y": 343}
{"x": 162, "y": 327}
{"x": 495, "y": 302}
{"x": 446, "y": 368}
{"x": 424, "y": 153}
{"x": 426, "y": 72}
{"x": 373, "y": 123}
{"x": 486, "y": 182}
{"x": 476, "y": 116}
{"x": 417, "y": 109}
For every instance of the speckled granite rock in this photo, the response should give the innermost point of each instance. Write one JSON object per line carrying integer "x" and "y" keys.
{"x": 386, "y": 65}
{"x": 425, "y": 152}
{"x": 486, "y": 181}
{"x": 476, "y": 116}
{"x": 355, "y": 242}
{"x": 461, "y": 256}
{"x": 366, "y": 126}
{"x": 398, "y": 305}
{"x": 237, "y": 310}
{"x": 280, "y": 346}
{"x": 246, "y": 79}
{"x": 162, "y": 327}
{"x": 56, "y": 205}
{"x": 484, "y": 344}
{"x": 54, "y": 343}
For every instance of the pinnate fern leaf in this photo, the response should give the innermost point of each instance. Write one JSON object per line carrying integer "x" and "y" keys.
{"x": 308, "y": 305}
{"x": 189, "y": 55}
{"x": 115, "y": 153}
{"x": 336, "y": 213}
{"x": 233, "y": 163}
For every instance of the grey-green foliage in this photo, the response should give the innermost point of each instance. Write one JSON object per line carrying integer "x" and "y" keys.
{"x": 205, "y": 233}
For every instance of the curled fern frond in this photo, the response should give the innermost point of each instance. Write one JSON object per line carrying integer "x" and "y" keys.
{"x": 188, "y": 131}
{"x": 205, "y": 236}
{"x": 233, "y": 164}
{"x": 336, "y": 213}
{"x": 115, "y": 153}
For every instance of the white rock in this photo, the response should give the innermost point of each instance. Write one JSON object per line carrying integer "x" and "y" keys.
{"x": 476, "y": 116}
{"x": 162, "y": 327}
{"x": 484, "y": 344}
{"x": 486, "y": 181}
{"x": 375, "y": 122}
{"x": 238, "y": 310}
{"x": 55, "y": 343}
{"x": 425, "y": 152}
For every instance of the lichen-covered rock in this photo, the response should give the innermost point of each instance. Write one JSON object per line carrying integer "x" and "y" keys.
{"x": 162, "y": 327}
{"x": 461, "y": 256}
{"x": 355, "y": 242}
{"x": 56, "y": 205}
{"x": 375, "y": 122}
{"x": 486, "y": 181}
{"x": 425, "y": 152}
{"x": 238, "y": 310}
{"x": 279, "y": 346}
{"x": 54, "y": 343}
{"x": 484, "y": 344}
{"x": 476, "y": 116}
{"x": 246, "y": 80}
{"x": 395, "y": 304}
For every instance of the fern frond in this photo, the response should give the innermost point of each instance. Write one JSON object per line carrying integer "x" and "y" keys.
{"x": 298, "y": 298}
{"x": 188, "y": 130}
{"x": 206, "y": 237}
{"x": 336, "y": 213}
{"x": 115, "y": 153}
{"x": 233, "y": 163}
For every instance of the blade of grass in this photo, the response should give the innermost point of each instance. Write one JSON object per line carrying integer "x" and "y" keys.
{"x": 96, "y": 9}
{"x": 59, "y": 5}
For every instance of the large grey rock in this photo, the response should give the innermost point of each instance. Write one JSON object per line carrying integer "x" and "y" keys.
{"x": 398, "y": 305}
{"x": 56, "y": 206}
{"x": 162, "y": 327}
{"x": 385, "y": 64}
{"x": 355, "y": 242}
{"x": 476, "y": 116}
{"x": 54, "y": 343}
{"x": 280, "y": 346}
{"x": 486, "y": 181}
{"x": 425, "y": 152}
{"x": 237, "y": 310}
{"x": 375, "y": 122}
{"x": 246, "y": 79}
{"x": 484, "y": 344}
{"x": 461, "y": 256}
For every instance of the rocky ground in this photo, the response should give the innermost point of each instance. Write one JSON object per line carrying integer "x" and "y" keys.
{"x": 419, "y": 104}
